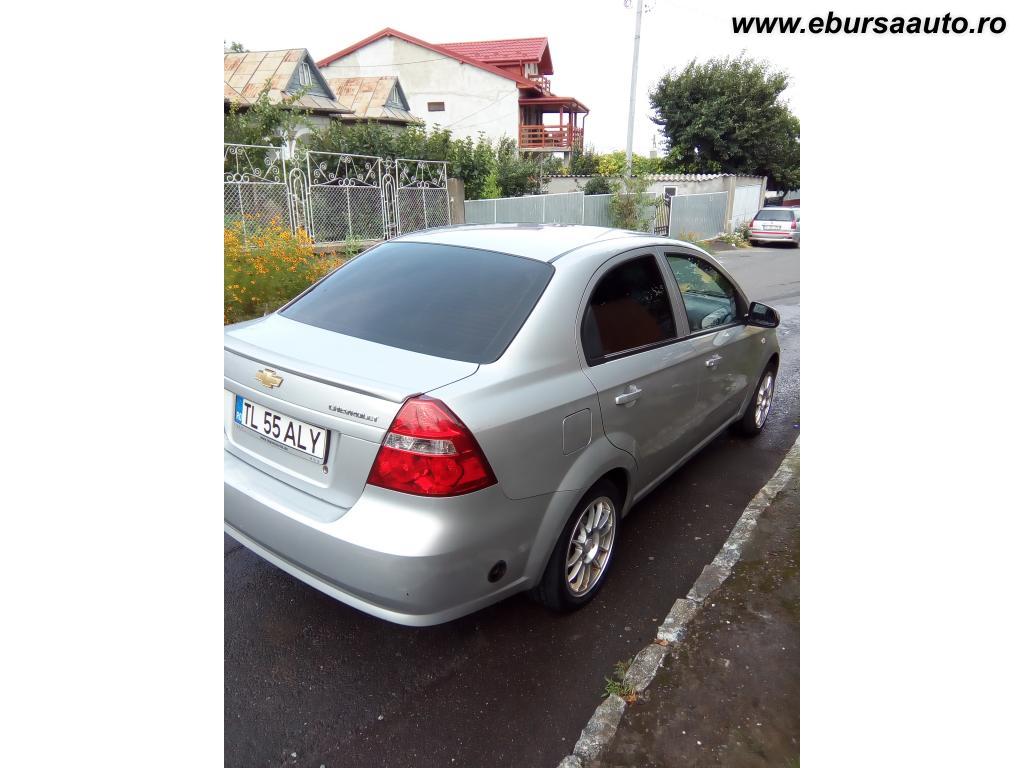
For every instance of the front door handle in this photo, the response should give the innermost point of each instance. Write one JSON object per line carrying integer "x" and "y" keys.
{"x": 712, "y": 361}
{"x": 629, "y": 396}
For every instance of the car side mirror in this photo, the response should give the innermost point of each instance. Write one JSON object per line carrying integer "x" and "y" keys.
{"x": 762, "y": 316}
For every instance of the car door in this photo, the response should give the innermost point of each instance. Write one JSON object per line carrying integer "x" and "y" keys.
{"x": 647, "y": 379}
{"x": 729, "y": 349}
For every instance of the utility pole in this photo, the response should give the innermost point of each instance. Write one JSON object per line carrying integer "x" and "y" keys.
{"x": 632, "y": 88}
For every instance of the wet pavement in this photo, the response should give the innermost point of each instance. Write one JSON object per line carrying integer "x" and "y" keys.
{"x": 312, "y": 682}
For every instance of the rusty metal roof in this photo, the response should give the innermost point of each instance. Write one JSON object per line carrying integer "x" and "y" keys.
{"x": 247, "y": 74}
{"x": 373, "y": 98}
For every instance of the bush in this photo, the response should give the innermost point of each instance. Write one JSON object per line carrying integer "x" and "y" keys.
{"x": 266, "y": 269}
{"x": 516, "y": 175}
{"x": 597, "y": 185}
{"x": 632, "y": 206}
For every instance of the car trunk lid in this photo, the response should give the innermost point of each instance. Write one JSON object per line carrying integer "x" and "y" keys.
{"x": 349, "y": 387}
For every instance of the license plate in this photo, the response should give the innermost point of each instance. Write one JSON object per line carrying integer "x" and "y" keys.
{"x": 304, "y": 439}
{"x": 773, "y": 226}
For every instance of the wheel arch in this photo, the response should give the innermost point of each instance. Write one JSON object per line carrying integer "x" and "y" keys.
{"x": 605, "y": 462}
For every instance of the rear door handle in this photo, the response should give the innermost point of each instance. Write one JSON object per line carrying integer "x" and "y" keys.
{"x": 712, "y": 361}
{"x": 631, "y": 395}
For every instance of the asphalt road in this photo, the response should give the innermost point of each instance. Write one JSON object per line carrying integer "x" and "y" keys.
{"x": 311, "y": 682}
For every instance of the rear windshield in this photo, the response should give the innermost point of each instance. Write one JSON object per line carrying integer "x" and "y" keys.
{"x": 441, "y": 300}
{"x": 774, "y": 214}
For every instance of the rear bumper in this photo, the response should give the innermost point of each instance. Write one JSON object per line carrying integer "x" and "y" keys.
{"x": 782, "y": 235}
{"x": 407, "y": 559}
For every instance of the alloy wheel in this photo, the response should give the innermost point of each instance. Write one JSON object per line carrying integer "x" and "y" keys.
{"x": 764, "y": 399}
{"x": 590, "y": 546}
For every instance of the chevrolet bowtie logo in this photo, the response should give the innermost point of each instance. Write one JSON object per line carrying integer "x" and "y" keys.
{"x": 268, "y": 378}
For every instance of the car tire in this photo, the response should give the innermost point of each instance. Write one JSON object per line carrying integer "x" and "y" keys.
{"x": 556, "y": 590}
{"x": 756, "y": 415}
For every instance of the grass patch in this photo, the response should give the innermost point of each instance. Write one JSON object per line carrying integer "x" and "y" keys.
{"x": 616, "y": 684}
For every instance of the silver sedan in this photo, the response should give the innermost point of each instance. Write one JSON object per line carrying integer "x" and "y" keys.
{"x": 461, "y": 414}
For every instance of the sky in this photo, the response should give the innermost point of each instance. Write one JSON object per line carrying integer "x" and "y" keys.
{"x": 591, "y": 43}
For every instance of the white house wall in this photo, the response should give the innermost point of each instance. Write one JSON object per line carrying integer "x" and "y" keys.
{"x": 475, "y": 100}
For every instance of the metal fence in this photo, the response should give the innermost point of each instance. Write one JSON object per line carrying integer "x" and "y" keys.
{"x": 745, "y": 204}
{"x": 420, "y": 196}
{"x": 562, "y": 208}
{"x": 698, "y": 216}
{"x": 346, "y": 197}
{"x": 332, "y": 196}
{"x": 255, "y": 190}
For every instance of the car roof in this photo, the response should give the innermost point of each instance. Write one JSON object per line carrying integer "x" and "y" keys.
{"x": 543, "y": 242}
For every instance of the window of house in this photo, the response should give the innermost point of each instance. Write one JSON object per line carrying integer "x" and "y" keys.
{"x": 305, "y": 76}
{"x": 708, "y": 297}
{"x": 435, "y": 106}
{"x": 628, "y": 309}
{"x": 670, "y": 192}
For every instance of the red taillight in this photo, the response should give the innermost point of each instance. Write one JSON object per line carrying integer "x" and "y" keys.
{"x": 793, "y": 225}
{"x": 429, "y": 452}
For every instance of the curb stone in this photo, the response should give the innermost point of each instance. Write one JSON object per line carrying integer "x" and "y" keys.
{"x": 673, "y": 628}
{"x": 600, "y": 729}
{"x": 645, "y": 664}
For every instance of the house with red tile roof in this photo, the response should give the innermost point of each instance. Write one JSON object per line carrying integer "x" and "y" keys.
{"x": 495, "y": 87}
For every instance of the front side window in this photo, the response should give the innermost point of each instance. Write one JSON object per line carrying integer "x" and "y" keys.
{"x": 708, "y": 297}
{"x": 628, "y": 309}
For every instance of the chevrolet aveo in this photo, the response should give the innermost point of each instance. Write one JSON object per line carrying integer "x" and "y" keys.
{"x": 461, "y": 414}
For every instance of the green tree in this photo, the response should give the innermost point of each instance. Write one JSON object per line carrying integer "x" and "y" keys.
{"x": 472, "y": 161}
{"x": 727, "y": 115}
{"x": 235, "y": 47}
{"x": 614, "y": 164}
{"x": 265, "y": 122}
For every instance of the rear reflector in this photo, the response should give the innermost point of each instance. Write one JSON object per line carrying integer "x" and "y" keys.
{"x": 429, "y": 452}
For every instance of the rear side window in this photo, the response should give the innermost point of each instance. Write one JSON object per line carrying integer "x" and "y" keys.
{"x": 774, "y": 214}
{"x": 629, "y": 308}
{"x": 441, "y": 300}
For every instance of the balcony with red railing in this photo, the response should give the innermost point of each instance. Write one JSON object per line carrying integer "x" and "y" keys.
{"x": 558, "y": 137}
{"x": 544, "y": 83}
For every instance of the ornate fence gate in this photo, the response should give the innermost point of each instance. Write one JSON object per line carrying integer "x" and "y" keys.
{"x": 255, "y": 191}
{"x": 332, "y": 196}
{"x": 346, "y": 197}
{"x": 419, "y": 195}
